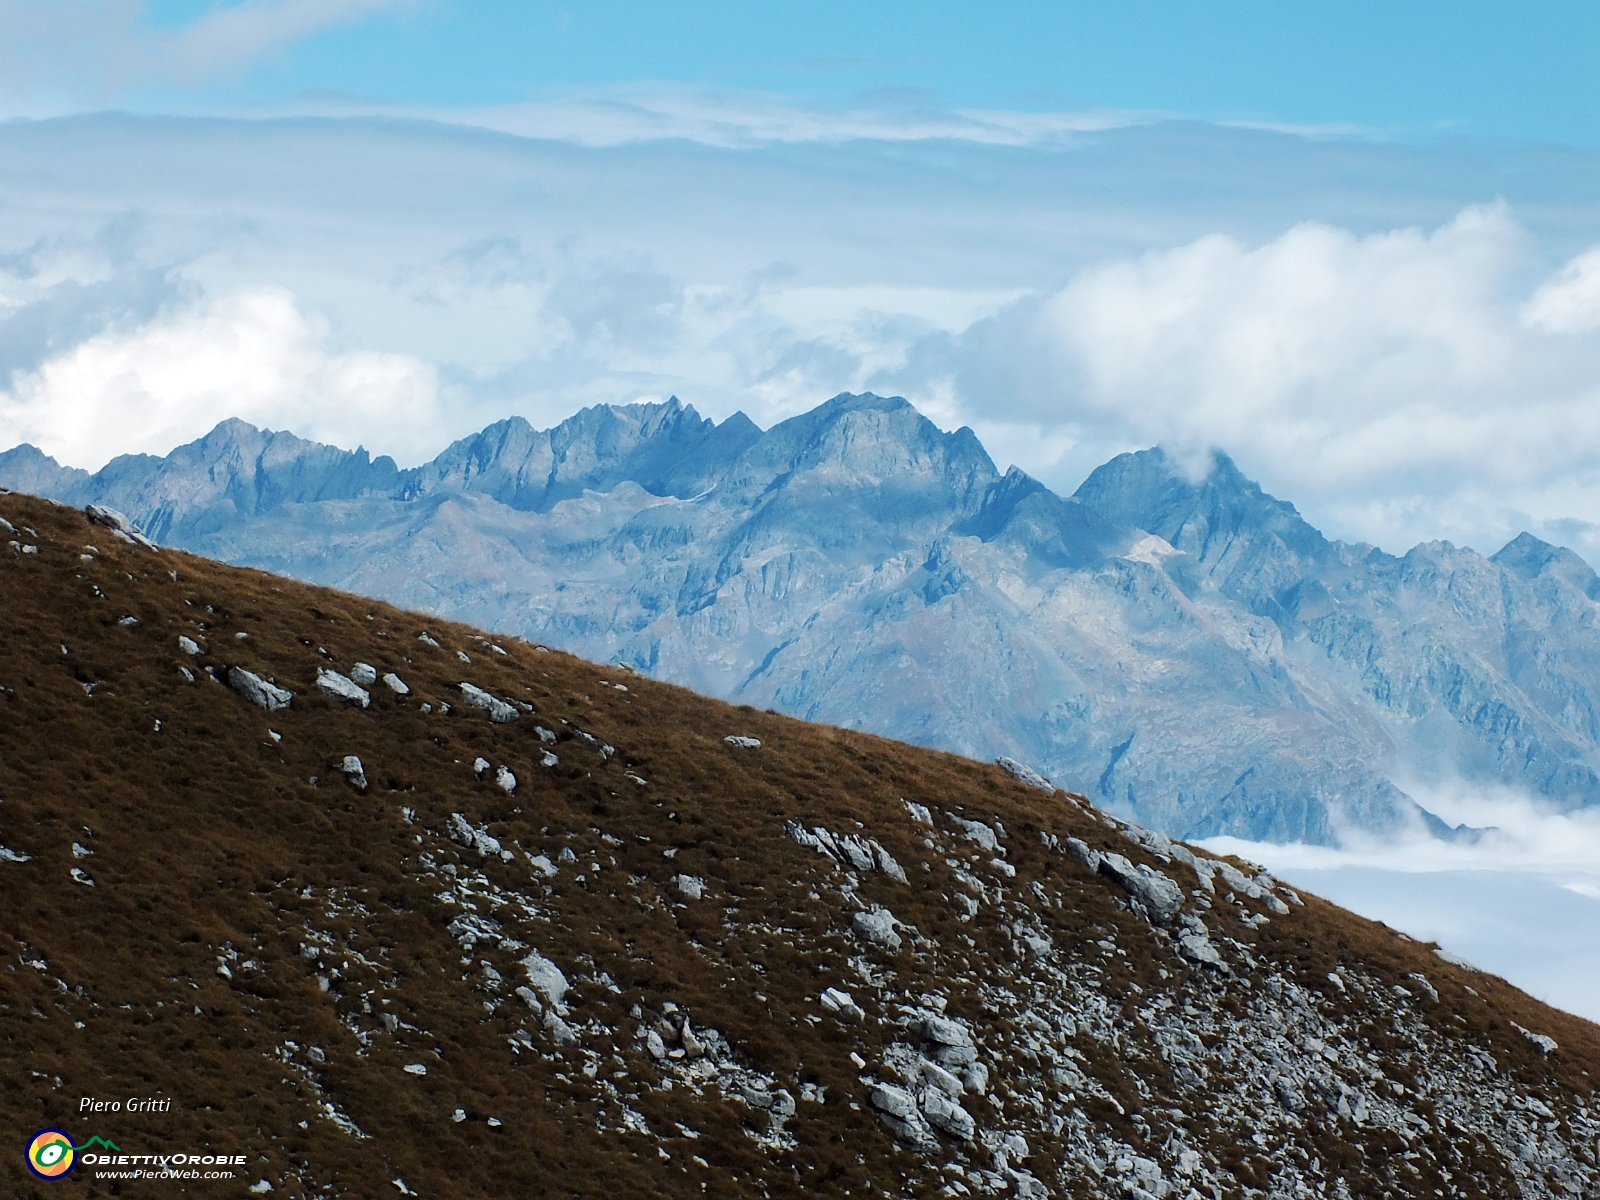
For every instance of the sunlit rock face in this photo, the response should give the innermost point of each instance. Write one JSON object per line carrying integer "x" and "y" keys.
{"x": 1187, "y": 651}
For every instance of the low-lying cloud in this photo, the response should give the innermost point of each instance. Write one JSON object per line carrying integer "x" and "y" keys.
{"x": 1521, "y": 900}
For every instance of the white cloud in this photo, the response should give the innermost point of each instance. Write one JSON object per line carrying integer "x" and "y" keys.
{"x": 1569, "y": 303}
{"x": 1395, "y": 385}
{"x": 252, "y": 354}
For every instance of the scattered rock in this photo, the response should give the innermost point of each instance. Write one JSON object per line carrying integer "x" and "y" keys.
{"x": 948, "y": 1042}
{"x": 499, "y": 711}
{"x": 396, "y": 684}
{"x": 546, "y": 978}
{"x": 463, "y": 834}
{"x": 945, "y": 1115}
{"x": 1160, "y": 897}
{"x": 977, "y": 831}
{"x": 743, "y": 743}
{"x": 897, "y": 1108}
{"x": 1545, "y": 1043}
{"x": 353, "y": 772}
{"x": 1023, "y": 773}
{"x": 257, "y": 690}
{"x": 364, "y": 673}
{"x": 1080, "y": 850}
{"x": 119, "y": 525}
{"x": 188, "y": 645}
{"x": 558, "y": 1029}
{"x": 14, "y": 856}
{"x": 1194, "y": 943}
{"x": 415, "y": 1069}
{"x": 1421, "y": 981}
{"x": 526, "y": 994}
{"x": 506, "y": 780}
{"x": 841, "y": 1002}
{"x": 331, "y": 683}
{"x": 692, "y": 887}
{"x": 876, "y": 925}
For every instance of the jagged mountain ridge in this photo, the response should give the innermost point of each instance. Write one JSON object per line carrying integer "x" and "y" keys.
{"x": 1193, "y": 649}
{"x": 459, "y": 919}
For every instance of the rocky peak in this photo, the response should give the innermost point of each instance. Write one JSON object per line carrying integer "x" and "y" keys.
{"x": 1247, "y": 544}
{"x": 668, "y": 449}
{"x": 28, "y": 469}
{"x": 870, "y": 454}
{"x": 1529, "y": 558}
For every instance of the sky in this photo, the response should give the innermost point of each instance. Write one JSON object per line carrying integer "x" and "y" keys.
{"x": 1356, "y": 246}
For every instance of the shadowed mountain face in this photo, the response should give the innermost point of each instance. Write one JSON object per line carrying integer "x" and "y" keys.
{"x": 368, "y": 902}
{"x": 1190, "y": 647}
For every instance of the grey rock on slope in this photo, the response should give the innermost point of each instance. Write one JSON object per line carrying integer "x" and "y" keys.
{"x": 1192, "y": 653}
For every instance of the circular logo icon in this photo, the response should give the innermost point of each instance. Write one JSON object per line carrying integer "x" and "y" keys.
{"x": 50, "y": 1154}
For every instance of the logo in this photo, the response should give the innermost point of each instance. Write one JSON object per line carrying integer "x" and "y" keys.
{"x": 51, "y": 1154}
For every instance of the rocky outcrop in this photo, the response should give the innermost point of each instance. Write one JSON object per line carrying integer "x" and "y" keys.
{"x": 118, "y": 524}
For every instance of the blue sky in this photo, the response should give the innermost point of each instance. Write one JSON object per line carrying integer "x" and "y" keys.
{"x": 1408, "y": 70}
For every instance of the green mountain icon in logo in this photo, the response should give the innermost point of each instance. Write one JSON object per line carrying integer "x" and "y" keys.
{"x": 98, "y": 1141}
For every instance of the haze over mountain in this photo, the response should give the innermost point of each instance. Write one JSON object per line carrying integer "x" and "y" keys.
{"x": 1189, "y": 650}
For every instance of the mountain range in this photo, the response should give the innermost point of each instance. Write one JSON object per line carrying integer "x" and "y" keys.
{"x": 306, "y": 897}
{"x": 1186, "y": 649}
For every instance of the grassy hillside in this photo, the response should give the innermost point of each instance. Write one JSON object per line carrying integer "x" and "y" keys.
{"x": 212, "y": 912}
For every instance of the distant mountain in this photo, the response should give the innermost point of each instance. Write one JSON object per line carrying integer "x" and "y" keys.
{"x": 1190, "y": 652}
{"x": 355, "y": 902}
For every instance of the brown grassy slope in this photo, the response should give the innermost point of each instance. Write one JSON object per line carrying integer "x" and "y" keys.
{"x": 207, "y": 834}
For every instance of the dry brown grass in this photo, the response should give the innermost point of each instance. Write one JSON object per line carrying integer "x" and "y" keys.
{"x": 208, "y": 832}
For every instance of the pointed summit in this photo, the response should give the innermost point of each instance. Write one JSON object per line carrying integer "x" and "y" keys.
{"x": 1148, "y": 491}
{"x": 1528, "y": 557}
